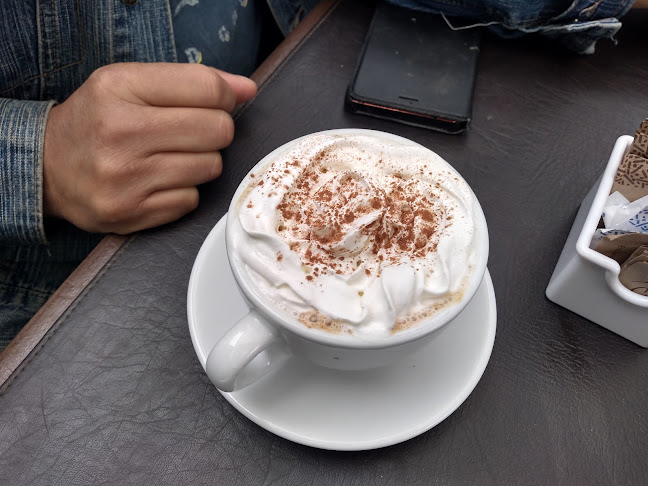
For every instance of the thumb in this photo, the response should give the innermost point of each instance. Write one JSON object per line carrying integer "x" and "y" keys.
{"x": 244, "y": 88}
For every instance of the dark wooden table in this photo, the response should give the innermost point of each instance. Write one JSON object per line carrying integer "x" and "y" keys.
{"x": 104, "y": 387}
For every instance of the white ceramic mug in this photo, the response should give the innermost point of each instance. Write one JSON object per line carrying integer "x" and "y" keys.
{"x": 267, "y": 327}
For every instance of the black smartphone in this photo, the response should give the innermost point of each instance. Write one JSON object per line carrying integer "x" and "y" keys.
{"x": 415, "y": 69}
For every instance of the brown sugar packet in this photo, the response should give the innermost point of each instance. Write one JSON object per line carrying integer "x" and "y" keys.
{"x": 640, "y": 144}
{"x": 634, "y": 272}
{"x": 631, "y": 178}
{"x": 621, "y": 247}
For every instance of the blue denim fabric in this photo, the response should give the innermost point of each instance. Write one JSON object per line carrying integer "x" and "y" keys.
{"x": 48, "y": 48}
{"x": 223, "y": 34}
{"x": 288, "y": 13}
{"x": 577, "y": 24}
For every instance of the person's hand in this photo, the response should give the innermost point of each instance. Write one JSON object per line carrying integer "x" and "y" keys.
{"x": 127, "y": 149}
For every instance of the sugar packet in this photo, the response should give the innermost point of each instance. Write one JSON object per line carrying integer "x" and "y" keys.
{"x": 625, "y": 216}
{"x": 634, "y": 272}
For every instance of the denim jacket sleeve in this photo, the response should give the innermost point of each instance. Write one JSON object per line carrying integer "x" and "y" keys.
{"x": 22, "y": 131}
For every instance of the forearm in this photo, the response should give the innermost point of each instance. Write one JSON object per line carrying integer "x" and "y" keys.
{"x": 22, "y": 131}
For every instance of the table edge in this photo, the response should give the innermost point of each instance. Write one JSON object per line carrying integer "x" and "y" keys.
{"x": 39, "y": 325}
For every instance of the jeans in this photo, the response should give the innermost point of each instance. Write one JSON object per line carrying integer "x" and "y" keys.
{"x": 577, "y": 24}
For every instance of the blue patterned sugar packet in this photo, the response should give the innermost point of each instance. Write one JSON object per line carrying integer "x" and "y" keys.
{"x": 640, "y": 221}
{"x": 601, "y": 233}
{"x": 621, "y": 214}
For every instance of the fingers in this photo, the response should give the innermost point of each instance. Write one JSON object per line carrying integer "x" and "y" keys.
{"x": 178, "y": 129}
{"x": 160, "y": 208}
{"x": 244, "y": 88}
{"x": 150, "y": 192}
{"x": 171, "y": 84}
{"x": 174, "y": 169}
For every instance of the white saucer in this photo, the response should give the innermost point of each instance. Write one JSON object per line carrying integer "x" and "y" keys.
{"x": 343, "y": 410}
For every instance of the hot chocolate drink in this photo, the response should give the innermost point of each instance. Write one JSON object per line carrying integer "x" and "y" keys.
{"x": 358, "y": 233}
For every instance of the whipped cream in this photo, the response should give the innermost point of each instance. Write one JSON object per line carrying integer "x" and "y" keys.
{"x": 356, "y": 233}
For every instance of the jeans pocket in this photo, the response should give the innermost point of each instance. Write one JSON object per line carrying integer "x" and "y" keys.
{"x": 37, "y": 38}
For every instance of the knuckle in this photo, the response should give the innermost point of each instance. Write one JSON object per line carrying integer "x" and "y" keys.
{"x": 111, "y": 172}
{"x": 118, "y": 129}
{"x": 216, "y": 88}
{"x": 108, "y": 130}
{"x": 108, "y": 212}
{"x": 225, "y": 128}
{"x": 190, "y": 200}
{"x": 97, "y": 75}
{"x": 211, "y": 166}
{"x": 217, "y": 165}
{"x": 104, "y": 76}
{"x": 105, "y": 171}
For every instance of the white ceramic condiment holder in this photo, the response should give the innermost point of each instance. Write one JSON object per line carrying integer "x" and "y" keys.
{"x": 587, "y": 282}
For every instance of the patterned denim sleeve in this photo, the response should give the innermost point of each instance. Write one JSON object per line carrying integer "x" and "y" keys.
{"x": 22, "y": 131}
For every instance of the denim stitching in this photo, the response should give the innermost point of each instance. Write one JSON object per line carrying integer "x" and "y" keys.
{"x": 40, "y": 41}
{"x": 170, "y": 28}
{"x": 38, "y": 207}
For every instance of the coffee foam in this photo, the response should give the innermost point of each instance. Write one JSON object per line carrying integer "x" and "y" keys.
{"x": 314, "y": 319}
{"x": 357, "y": 234}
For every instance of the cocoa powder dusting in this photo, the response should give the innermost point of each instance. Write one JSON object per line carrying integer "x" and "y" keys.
{"x": 402, "y": 220}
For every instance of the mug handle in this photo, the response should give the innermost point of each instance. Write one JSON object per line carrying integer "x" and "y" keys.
{"x": 237, "y": 348}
